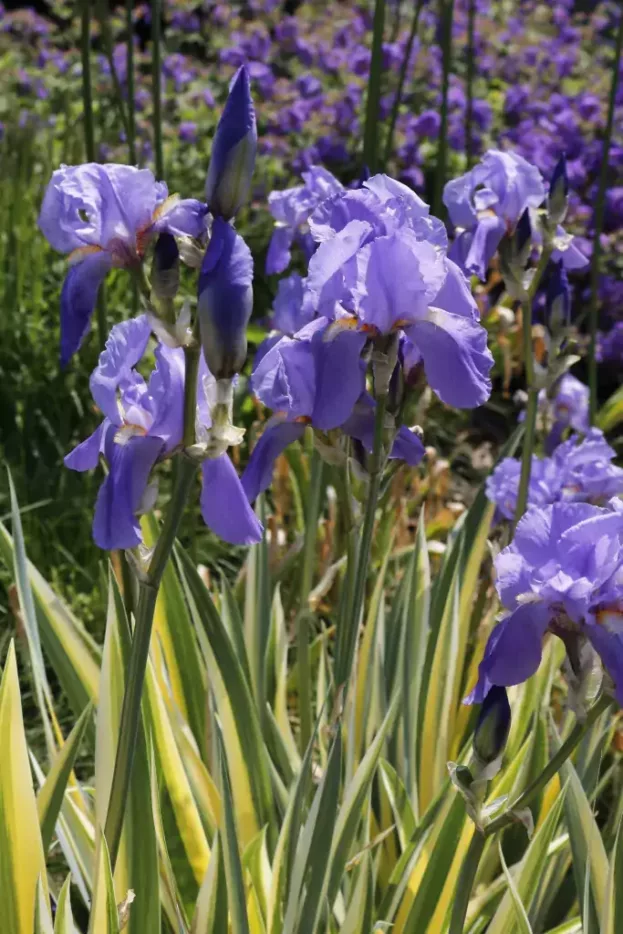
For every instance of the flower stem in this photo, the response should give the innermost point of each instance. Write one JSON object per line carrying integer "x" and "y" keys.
{"x": 446, "y": 12}
{"x": 87, "y": 94}
{"x": 599, "y": 223}
{"x": 135, "y": 676}
{"x": 532, "y": 388}
{"x": 370, "y": 135}
{"x": 89, "y": 143}
{"x": 192, "y": 356}
{"x": 465, "y": 882}
{"x": 551, "y": 768}
{"x": 302, "y": 623}
{"x": 469, "y": 81}
{"x": 156, "y": 78}
{"x": 389, "y": 142}
{"x": 531, "y": 411}
{"x": 129, "y": 9}
{"x": 344, "y": 659}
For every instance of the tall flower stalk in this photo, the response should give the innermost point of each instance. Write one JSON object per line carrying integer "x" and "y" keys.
{"x": 402, "y": 77}
{"x": 371, "y": 129}
{"x": 469, "y": 82}
{"x": 89, "y": 136}
{"x": 600, "y": 204}
{"x": 446, "y": 15}
{"x": 131, "y": 709}
{"x": 531, "y": 386}
{"x": 129, "y": 11}
{"x": 156, "y": 81}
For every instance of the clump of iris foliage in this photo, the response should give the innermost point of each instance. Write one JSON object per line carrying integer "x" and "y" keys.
{"x": 345, "y": 652}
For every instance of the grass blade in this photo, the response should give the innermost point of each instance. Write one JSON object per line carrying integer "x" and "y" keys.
{"x": 50, "y": 797}
{"x": 22, "y": 860}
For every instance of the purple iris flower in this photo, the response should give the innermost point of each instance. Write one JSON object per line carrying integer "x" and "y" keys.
{"x": 487, "y": 202}
{"x": 292, "y": 306}
{"x": 578, "y": 471}
{"x": 381, "y": 268}
{"x": 563, "y": 573}
{"x": 143, "y": 423}
{"x": 233, "y": 151}
{"x": 610, "y": 345}
{"x": 502, "y": 485}
{"x": 586, "y": 469}
{"x": 567, "y": 408}
{"x": 315, "y": 379}
{"x": 291, "y": 209}
{"x": 105, "y": 216}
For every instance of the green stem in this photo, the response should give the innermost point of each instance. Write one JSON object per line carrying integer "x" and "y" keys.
{"x": 302, "y": 628}
{"x": 465, "y": 883}
{"x": 551, "y": 768}
{"x": 89, "y": 142}
{"x": 469, "y": 80}
{"x": 344, "y": 660}
{"x": 404, "y": 67}
{"x": 104, "y": 20}
{"x": 192, "y": 355}
{"x": 135, "y": 677}
{"x": 532, "y": 389}
{"x": 87, "y": 94}
{"x": 446, "y": 12}
{"x": 370, "y": 136}
{"x": 531, "y": 411}
{"x": 156, "y": 77}
{"x": 599, "y": 223}
{"x": 129, "y": 9}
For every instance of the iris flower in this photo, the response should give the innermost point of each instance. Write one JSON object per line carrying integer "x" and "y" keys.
{"x": 291, "y": 209}
{"x": 487, "y": 202}
{"x": 105, "y": 216}
{"x": 381, "y": 268}
{"x": 307, "y": 380}
{"x": 579, "y": 472}
{"x": 143, "y": 423}
{"x": 562, "y": 574}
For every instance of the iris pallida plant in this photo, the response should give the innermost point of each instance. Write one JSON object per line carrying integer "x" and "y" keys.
{"x": 383, "y": 308}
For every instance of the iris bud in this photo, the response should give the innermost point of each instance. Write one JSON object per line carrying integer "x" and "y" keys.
{"x": 558, "y": 297}
{"x": 225, "y": 300}
{"x": 558, "y": 198}
{"x": 233, "y": 151}
{"x": 492, "y": 730}
{"x": 522, "y": 239}
{"x": 165, "y": 270}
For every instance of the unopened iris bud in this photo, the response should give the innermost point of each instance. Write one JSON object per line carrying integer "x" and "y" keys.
{"x": 558, "y": 298}
{"x": 233, "y": 151}
{"x": 558, "y": 198}
{"x": 225, "y": 300}
{"x": 165, "y": 271}
{"x": 522, "y": 239}
{"x": 491, "y": 731}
